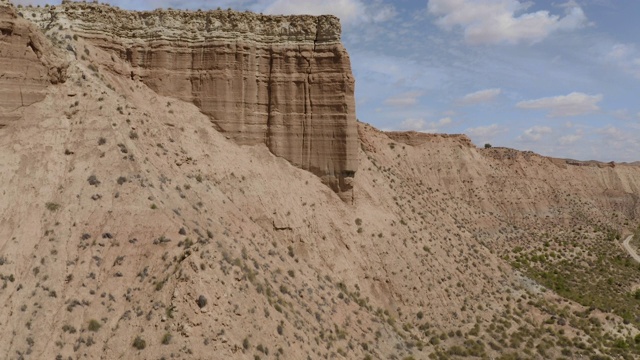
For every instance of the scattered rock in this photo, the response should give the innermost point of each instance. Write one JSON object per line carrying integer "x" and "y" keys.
{"x": 202, "y": 301}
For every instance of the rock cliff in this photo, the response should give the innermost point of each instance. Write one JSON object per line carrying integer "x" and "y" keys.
{"x": 28, "y": 64}
{"x": 284, "y": 81}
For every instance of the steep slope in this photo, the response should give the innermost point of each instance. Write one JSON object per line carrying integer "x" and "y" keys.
{"x": 284, "y": 81}
{"x": 130, "y": 227}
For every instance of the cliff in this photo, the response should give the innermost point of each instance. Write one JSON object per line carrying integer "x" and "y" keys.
{"x": 283, "y": 81}
{"x": 28, "y": 64}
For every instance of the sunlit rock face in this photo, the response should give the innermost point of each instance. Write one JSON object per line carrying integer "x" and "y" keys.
{"x": 284, "y": 81}
{"x": 28, "y": 64}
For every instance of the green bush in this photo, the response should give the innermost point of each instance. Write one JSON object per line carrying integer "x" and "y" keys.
{"x": 139, "y": 343}
{"x": 94, "y": 325}
{"x": 166, "y": 339}
{"x": 52, "y": 206}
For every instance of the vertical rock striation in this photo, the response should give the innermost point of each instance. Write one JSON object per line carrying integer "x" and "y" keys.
{"x": 28, "y": 64}
{"x": 284, "y": 81}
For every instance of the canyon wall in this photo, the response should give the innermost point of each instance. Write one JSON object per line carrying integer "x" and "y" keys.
{"x": 28, "y": 64}
{"x": 284, "y": 81}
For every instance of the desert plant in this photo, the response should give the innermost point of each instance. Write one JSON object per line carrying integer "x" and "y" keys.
{"x": 139, "y": 343}
{"x": 93, "y": 180}
{"x": 52, "y": 206}
{"x": 166, "y": 339}
{"x": 94, "y": 325}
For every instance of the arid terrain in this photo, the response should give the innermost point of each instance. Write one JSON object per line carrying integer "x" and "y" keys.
{"x": 157, "y": 207}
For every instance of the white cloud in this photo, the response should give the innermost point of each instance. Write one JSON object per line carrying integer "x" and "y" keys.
{"x": 620, "y": 143}
{"x": 574, "y": 104}
{"x": 412, "y": 124}
{"x": 503, "y": 21}
{"x": 481, "y": 96}
{"x": 535, "y": 133}
{"x": 620, "y": 51}
{"x": 405, "y": 99}
{"x": 417, "y": 124}
{"x": 485, "y": 132}
{"x": 622, "y": 114}
{"x": 349, "y": 11}
{"x": 571, "y": 138}
{"x": 626, "y": 57}
{"x": 612, "y": 133}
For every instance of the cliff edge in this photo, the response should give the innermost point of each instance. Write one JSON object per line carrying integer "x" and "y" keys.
{"x": 282, "y": 81}
{"x": 29, "y": 64}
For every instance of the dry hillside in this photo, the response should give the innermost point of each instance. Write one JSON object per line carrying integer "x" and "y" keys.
{"x": 132, "y": 226}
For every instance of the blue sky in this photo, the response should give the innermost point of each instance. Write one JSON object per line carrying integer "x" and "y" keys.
{"x": 559, "y": 77}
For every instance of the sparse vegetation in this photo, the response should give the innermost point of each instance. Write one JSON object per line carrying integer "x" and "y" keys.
{"x": 139, "y": 343}
{"x": 94, "y": 325}
{"x": 93, "y": 180}
{"x": 52, "y": 206}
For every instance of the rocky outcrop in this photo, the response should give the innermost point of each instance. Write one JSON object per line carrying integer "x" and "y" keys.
{"x": 28, "y": 62}
{"x": 284, "y": 81}
{"x": 415, "y": 138}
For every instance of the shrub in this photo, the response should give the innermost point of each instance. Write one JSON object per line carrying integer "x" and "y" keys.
{"x": 93, "y": 180}
{"x": 139, "y": 343}
{"x": 102, "y": 141}
{"x": 52, "y": 206}
{"x": 94, "y": 325}
{"x": 166, "y": 339}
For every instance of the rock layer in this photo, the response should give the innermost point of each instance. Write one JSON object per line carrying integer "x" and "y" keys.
{"x": 28, "y": 64}
{"x": 284, "y": 81}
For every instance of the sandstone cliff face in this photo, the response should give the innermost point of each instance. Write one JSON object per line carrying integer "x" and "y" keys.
{"x": 28, "y": 64}
{"x": 284, "y": 81}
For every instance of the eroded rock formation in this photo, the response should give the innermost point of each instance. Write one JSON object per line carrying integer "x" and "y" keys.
{"x": 284, "y": 81}
{"x": 28, "y": 64}
{"x": 415, "y": 138}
